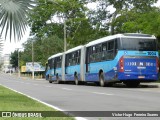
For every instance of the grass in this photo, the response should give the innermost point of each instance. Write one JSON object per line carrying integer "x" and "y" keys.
{"x": 12, "y": 101}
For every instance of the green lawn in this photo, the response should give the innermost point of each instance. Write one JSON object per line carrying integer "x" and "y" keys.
{"x": 12, "y": 101}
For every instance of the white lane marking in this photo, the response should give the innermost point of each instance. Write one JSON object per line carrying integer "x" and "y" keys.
{"x": 145, "y": 90}
{"x": 102, "y": 93}
{"x": 66, "y": 89}
{"x": 141, "y": 90}
{"x": 48, "y": 86}
{"x": 54, "y": 107}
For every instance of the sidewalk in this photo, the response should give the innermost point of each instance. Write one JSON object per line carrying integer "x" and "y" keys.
{"x": 26, "y": 77}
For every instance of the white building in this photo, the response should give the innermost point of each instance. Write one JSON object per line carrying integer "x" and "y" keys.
{"x": 7, "y": 67}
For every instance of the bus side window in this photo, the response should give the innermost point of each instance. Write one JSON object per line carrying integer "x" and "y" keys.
{"x": 58, "y": 62}
{"x": 104, "y": 46}
{"x": 104, "y": 51}
{"x": 53, "y": 63}
{"x": 110, "y": 45}
{"x": 78, "y": 53}
{"x": 50, "y": 63}
{"x": 98, "y": 53}
{"x": 74, "y": 58}
{"x": 116, "y": 47}
{"x": 111, "y": 50}
{"x": 90, "y": 54}
{"x": 70, "y": 59}
{"x": 67, "y": 60}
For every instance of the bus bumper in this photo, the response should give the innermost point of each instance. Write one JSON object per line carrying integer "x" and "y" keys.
{"x": 135, "y": 76}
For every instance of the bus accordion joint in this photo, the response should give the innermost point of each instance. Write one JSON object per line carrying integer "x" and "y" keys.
{"x": 121, "y": 64}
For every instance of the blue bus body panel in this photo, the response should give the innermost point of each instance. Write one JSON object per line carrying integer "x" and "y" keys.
{"x": 94, "y": 77}
{"x": 57, "y": 71}
{"x": 109, "y": 69}
{"x": 139, "y": 65}
{"x": 70, "y": 70}
{"x": 54, "y": 78}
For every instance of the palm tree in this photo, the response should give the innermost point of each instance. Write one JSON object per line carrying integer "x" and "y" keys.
{"x": 1, "y": 49}
{"x": 14, "y": 18}
{"x": 1, "y": 45}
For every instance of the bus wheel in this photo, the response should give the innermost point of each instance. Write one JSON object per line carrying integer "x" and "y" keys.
{"x": 50, "y": 81}
{"x": 76, "y": 80}
{"x": 57, "y": 79}
{"x": 132, "y": 84}
{"x": 101, "y": 80}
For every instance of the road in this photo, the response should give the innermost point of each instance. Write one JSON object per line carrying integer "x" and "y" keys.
{"x": 70, "y": 97}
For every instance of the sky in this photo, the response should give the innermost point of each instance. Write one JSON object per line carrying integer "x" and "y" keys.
{"x": 12, "y": 46}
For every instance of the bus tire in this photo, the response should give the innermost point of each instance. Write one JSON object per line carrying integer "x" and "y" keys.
{"x": 50, "y": 81}
{"x": 76, "y": 80}
{"x": 101, "y": 80}
{"x": 57, "y": 79}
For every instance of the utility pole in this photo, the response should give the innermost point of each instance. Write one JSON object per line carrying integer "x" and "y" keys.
{"x": 64, "y": 28}
{"x": 32, "y": 60}
{"x": 65, "y": 42}
{"x": 19, "y": 74}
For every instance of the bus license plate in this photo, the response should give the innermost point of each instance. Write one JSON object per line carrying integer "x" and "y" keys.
{"x": 141, "y": 76}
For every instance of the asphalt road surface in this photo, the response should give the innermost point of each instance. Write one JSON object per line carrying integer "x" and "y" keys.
{"x": 69, "y": 97}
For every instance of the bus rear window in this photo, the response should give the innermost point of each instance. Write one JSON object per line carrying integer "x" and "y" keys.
{"x": 138, "y": 44}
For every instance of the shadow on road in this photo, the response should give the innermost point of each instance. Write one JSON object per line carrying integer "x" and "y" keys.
{"x": 142, "y": 85}
{"x": 117, "y": 85}
{"x": 121, "y": 85}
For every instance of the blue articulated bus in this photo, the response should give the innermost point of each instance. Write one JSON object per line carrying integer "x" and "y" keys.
{"x": 54, "y": 68}
{"x": 127, "y": 58}
{"x": 74, "y": 64}
{"x": 130, "y": 58}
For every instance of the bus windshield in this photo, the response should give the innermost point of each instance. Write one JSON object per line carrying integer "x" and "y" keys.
{"x": 138, "y": 44}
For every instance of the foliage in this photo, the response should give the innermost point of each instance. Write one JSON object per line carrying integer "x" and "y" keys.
{"x": 42, "y": 49}
{"x": 1, "y": 45}
{"x": 84, "y": 25}
{"x": 72, "y": 13}
{"x": 14, "y": 59}
{"x": 132, "y": 21}
{"x": 124, "y": 6}
{"x": 14, "y": 17}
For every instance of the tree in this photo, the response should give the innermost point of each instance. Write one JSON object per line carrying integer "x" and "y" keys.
{"x": 146, "y": 22}
{"x": 14, "y": 17}
{"x": 121, "y": 6}
{"x": 43, "y": 48}
{"x": 79, "y": 27}
{"x": 1, "y": 45}
{"x": 14, "y": 59}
